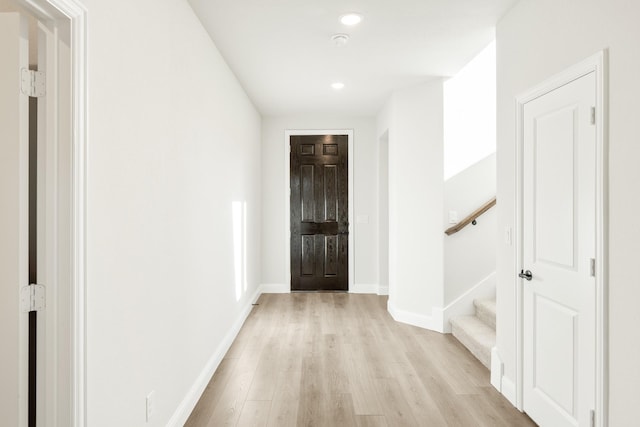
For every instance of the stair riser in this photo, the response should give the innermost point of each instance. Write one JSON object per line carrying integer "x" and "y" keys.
{"x": 486, "y": 311}
{"x": 478, "y": 339}
{"x": 487, "y": 316}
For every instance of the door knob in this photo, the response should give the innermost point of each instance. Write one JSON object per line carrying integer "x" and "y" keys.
{"x": 526, "y": 274}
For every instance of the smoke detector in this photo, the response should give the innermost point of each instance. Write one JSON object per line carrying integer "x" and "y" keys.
{"x": 340, "y": 39}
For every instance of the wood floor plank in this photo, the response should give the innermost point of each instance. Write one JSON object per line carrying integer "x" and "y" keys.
{"x": 284, "y": 412}
{"x": 285, "y": 403}
{"x": 510, "y": 415}
{"x": 264, "y": 380}
{"x": 227, "y": 410}
{"x": 363, "y": 387}
{"x": 337, "y": 359}
{"x": 449, "y": 405}
{"x": 423, "y": 406}
{"x": 395, "y": 407}
{"x": 340, "y": 410}
{"x": 211, "y": 395}
{"x": 371, "y": 421}
{"x": 255, "y": 413}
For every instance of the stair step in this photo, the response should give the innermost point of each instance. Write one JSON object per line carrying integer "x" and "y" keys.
{"x": 486, "y": 311}
{"x": 476, "y": 335}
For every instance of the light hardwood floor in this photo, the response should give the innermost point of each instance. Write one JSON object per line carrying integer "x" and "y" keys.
{"x": 337, "y": 359}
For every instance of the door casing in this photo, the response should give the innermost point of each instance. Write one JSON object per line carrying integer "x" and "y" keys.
{"x": 287, "y": 202}
{"x": 598, "y": 64}
{"x": 65, "y": 172}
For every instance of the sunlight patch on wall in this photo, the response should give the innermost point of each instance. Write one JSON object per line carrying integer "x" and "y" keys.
{"x": 470, "y": 113}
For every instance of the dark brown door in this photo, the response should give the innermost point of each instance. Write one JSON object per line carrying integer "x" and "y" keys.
{"x": 319, "y": 213}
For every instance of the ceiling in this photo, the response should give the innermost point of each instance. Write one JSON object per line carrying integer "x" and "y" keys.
{"x": 282, "y": 53}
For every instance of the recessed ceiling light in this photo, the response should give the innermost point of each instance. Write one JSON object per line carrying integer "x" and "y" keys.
{"x": 351, "y": 18}
{"x": 337, "y": 85}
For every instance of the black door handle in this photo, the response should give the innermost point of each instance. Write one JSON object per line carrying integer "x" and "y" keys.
{"x": 526, "y": 274}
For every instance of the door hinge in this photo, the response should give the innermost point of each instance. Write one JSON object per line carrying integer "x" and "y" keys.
{"x": 592, "y": 269}
{"x": 592, "y": 418}
{"x": 593, "y": 115}
{"x": 32, "y": 298}
{"x": 33, "y": 83}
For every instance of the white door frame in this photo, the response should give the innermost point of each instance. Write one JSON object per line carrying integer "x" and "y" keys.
{"x": 598, "y": 64}
{"x": 287, "y": 202}
{"x": 69, "y": 188}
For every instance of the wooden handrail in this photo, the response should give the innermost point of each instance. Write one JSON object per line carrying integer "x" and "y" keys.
{"x": 462, "y": 224}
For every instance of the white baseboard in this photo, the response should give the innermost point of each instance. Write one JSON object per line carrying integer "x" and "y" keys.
{"x": 279, "y": 288}
{"x": 363, "y": 289}
{"x": 501, "y": 382}
{"x": 463, "y": 305}
{"x": 439, "y": 319}
{"x": 419, "y": 320}
{"x": 275, "y": 288}
{"x": 497, "y": 368}
{"x": 509, "y": 390}
{"x": 185, "y": 408}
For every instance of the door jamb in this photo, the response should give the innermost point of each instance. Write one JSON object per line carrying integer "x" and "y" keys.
{"x": 597, "y": 63}
{"x": 287, "y": 202}
{"x": 73, "y": 14}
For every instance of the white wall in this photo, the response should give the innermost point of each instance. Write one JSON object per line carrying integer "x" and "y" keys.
{"x": 273, "y": 194}
{"x": 470, "y": 113}
{"x": 470, "y": 174}
{"x": 383, "y": 211}
{"x": 413, "y": 119}
{"x": 470, "y": 254}
{"x": 535, "y": 40}
{"x": 173, "y": 142}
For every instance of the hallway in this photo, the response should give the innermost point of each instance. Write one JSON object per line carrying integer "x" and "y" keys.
{"x": 336, "y": 359}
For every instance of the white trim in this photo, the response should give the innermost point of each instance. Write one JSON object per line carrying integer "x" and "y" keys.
{"x": 361, "y": 288}
{"x": 189, "y": 402}
{"x": 508, "y": 389}
{"x": 463, "y": 305}
{"x": 275, "y": 288}
{"x": 78, "y": 16}
{"x": 497, "y": 369}
{"x": 598, "y": 64}
{"x": 419, "y": 320}
{"x": 287, "y": 208}
{"x": 75, "y": 14}
{"x": 383, "y": 290}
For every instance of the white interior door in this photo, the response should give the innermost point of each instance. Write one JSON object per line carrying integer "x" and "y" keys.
{"x": 14, "y": 251}
{"x": 559, "y": 208}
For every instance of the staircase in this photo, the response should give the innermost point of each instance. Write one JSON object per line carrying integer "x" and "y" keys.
{"x": 478, "y": 332}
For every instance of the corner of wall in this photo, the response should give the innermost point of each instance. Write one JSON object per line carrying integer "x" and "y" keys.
{"x": 432, "y": 323}
{"x": 383, "y": 290}
{"x": 502, "y": 383}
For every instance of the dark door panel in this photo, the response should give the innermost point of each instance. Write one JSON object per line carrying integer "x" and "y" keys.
{"x": 319, "y": 212}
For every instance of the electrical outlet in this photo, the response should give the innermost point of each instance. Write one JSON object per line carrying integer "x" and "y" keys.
{"x": 453, "y": 217}
{"x": 151, "y": 404}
